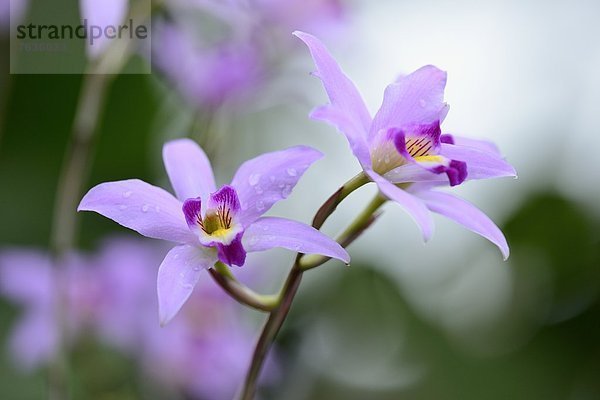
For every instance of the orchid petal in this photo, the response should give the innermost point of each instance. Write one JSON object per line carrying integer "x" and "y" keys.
{"x": 483, "y": 145}
{"x": 269, "y": 232}
{"x": 347, "y": 110}
{"x": 177, "y": 276}
{"x": 270, "y": 177}
{"x": 189, "y": 169}
{"x": 137, "y": 205}
{"x": 480, "y": 164}
{"x": 466, "y": 214}
{"x": 417, "y": 98}
{"x": 415, "y": 207}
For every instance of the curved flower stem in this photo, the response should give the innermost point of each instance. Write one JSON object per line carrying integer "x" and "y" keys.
{"x": 268, "y": 303}
{"x": 279, "y": 314}
{"x": 354, "y": 230}
{"x": 270, "y": 330}
{"x": 224, "y": 278}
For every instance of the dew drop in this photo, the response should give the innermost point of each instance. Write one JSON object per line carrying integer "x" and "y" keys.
{"x": 187, "y": 286}
{"x": 181, "y": 275}
{"x": 127, "y": 194}
{"x": 281, "y": 185}
{"x": 272, "y": 178}
{"x": 422, "y": 103}
{"x": 260, "y": 205}
{"x": 292, "y": 172}
{"x": 122, "y": 207}
{"x": 157, "y": 208}
{"x": 253, "y": 179}
{"x": 145, "y": 208}
{"x": 258, "y": 190}
{"x": 176, "y": 256}
{"x": 196, "y": 269}
{"x": 286, "y": 191}
{"x": 386, "y": 159}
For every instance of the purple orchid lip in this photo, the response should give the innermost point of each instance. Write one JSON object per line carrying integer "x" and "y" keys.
{"x": 219, "y": 226}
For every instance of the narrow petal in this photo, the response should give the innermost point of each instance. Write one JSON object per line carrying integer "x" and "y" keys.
{"x": 417, "y": 98}
{"x": 483, "y": 145}
{"x": 480, "y": 164}
{"x": 137, "y": 205}
{"x": 268, "y": 178}
{"x": 356, "y": 137}
{"x": 467, "y": 215}
{"x": 177, "y": 276}
{"x": 233, "y": 253}
{"x": 189, "y": 169}
{"x": 269, "y": 232}
{"x": 415, "y": 207}
{"x": 347, "y": 110}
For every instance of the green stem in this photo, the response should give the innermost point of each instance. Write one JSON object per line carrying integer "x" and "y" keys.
{"x": 360, "y": 223}
{"x": 269, "y": 332}
{"x": 290, "y": 288}
{"x": 224, "y": 278}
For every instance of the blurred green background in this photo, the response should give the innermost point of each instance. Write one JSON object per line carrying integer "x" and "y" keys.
{"x": 468, "y": 327}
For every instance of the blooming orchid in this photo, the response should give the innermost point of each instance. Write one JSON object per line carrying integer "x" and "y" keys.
{"x": 211, "y": 225}
{"x": 402, "y": 148}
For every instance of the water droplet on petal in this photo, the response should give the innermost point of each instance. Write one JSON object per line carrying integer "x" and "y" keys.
{"x": 196, "y": 269}
{"x": 181, "y": 275}
{"x": 422, "y": 103}
{"x": 260, "y": 205}
{"x": 176, "y": 256}
{"x": 292, "y": 172}
{"x": 145, "y": 208}
{"x": 272, "y": 178}
{"x": 127, "y": 194}
{"x": 187, "y": 286}
{"x": 281, "y": 185}
{"x": 258, "y": 190}
{"x": 157, "y": 208}
{"x": 253, "y": 179}
{"x": 386, "y": 159}
{"x": 286, "y": 191}
{"x": 122, "y": 207}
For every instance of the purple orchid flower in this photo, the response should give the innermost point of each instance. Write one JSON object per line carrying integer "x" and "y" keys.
{"x": 402, "y": 147}
{"x": 211, "y": 225}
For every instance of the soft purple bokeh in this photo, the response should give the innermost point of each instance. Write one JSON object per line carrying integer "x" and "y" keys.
{"x": 402, "y": 148}
{"x": 211, "y": 225}
{"x": 207, "y": 75}
{"x": 205, "y": 351}
{"x": 29, "y": 279}
{"x": 12, "y": 11}
{"x": 242, "y": 51}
